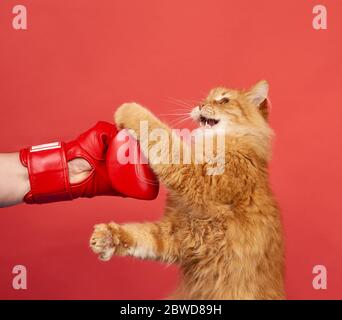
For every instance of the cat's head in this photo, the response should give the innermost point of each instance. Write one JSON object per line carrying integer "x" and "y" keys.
{"x": 236, "y": 112}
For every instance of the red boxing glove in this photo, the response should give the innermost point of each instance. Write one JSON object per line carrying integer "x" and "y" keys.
{"x": 49, "y": 177}
{"x": 125, "y": 162}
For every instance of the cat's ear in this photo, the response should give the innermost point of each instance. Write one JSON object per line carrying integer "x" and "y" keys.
{"x": 257, "y": 95}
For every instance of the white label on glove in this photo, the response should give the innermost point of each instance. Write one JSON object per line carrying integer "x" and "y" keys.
{"x": 46, "y": 146}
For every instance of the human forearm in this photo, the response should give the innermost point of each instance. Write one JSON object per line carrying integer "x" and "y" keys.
{"x": 14, "y": 181}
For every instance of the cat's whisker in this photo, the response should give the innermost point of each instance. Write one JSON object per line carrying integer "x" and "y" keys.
{"x": 175, "y": 114}
{"x": 178, "y": 119}
{"x": 181, "y": 112}
{"x": 182, "y": 109}
{"x": 191, "y": 102}
{"x": 180, "y": 102}
{"x": 181, "y": 121}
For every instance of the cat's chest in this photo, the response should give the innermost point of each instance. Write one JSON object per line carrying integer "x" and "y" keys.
{"x": 196, "y": 233}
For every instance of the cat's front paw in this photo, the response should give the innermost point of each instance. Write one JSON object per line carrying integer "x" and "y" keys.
{"x": 108, "y": 239}
{"x": 129, "y": 115}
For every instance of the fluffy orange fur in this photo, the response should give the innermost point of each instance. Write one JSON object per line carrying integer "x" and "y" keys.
{"x": 223, "y": 230}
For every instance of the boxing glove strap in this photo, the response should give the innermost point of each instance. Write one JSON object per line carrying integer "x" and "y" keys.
{"x": 48, "y": 173}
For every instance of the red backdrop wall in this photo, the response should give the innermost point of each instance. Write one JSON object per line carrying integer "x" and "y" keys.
{"x": 78, "y": 60}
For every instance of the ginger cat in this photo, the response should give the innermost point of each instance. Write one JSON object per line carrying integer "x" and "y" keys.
{"x": 223, "y": 230}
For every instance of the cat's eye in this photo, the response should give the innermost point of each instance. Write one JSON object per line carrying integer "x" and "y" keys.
{"x": 223, "y": 100}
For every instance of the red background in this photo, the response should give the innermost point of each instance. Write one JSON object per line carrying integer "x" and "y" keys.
{"x": 80, "y": 59}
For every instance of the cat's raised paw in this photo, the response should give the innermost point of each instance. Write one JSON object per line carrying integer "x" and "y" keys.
{"x": 102, "y": 242}
{"x": 128, "y": 115}
{"x": 108, "y": 239}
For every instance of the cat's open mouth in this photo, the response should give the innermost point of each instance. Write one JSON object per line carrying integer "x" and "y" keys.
{"x": 209, "y": 122}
